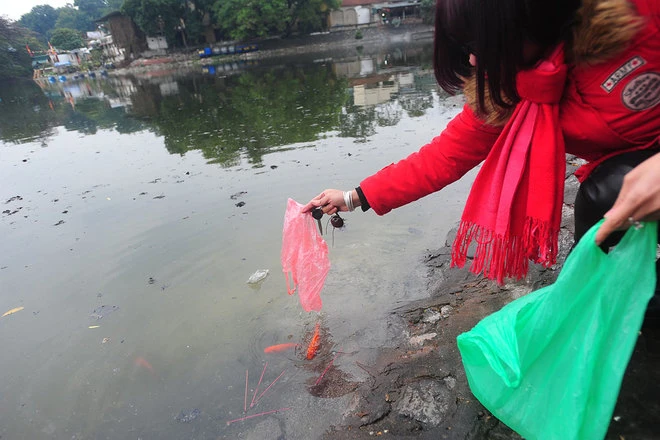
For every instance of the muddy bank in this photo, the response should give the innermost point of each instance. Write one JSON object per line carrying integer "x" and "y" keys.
{"x": 419, "y": 389}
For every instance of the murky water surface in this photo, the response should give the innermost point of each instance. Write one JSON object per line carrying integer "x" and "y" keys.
{"x": 134, "y": 210}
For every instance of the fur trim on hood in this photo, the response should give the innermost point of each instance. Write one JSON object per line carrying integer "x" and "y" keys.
{"x": 602, "y": 30}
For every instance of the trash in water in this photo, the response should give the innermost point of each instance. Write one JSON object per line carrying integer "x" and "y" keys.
{"x": 188, "y": 416}
{"x": 258, "y": 276}
{"x": 12, "y": 311}
{"x": 102, "y": 311}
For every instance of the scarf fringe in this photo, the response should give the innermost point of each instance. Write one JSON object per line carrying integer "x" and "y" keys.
{"x": 499, "y": 256}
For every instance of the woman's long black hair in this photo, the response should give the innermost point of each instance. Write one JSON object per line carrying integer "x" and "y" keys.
{"x": 496, "y": 32}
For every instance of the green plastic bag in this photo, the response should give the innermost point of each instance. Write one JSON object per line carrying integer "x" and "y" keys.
{"x": 550, "y": 364}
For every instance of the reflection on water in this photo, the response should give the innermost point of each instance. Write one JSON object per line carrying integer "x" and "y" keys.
{"x": 134, "y": 210}
{"x": 231, "y": 108}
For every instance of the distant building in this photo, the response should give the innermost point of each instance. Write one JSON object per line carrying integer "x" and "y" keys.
{"x": 64, "y": 59}
{"x": 125, "y": 34}
{"x": 157, "y": 46}
{"x": 111, "y": 52}
{"x": 352, "y": 13}
{"x": 357, "y": 13}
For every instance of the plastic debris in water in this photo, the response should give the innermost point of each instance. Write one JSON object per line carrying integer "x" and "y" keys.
{"x": 102, "y": 311}
{"x": 304, "y": 256}
{"x": 258, "y": 276}
{"x": 187, "y": 417}
{"x": 12, "y": 311}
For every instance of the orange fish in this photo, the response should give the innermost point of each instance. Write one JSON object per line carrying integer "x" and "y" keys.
{"x": 314, "y": 344}
{"x": 280, "y": 347}
{"x": 142, "y": 362}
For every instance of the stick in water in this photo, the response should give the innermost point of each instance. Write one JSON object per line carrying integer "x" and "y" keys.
{"x": 246, "y": 388}
{"x": 326, "y": 370}
{"x": 364, "y": 368}
{"x": 257, "y": 415}
{"x": 257, "y": 388}
{"x": 267, "y": 388}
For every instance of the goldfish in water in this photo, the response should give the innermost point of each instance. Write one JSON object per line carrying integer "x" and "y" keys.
{"x": 142, "y": 362}
{"x": 280, "y": 347}
{"x": 314, "y": 343}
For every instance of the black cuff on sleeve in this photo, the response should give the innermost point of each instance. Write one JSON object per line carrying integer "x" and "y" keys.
{"x": 364, "y": 203}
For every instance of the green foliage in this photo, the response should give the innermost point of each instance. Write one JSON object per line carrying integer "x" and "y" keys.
{"x": 14, "y": 59}
{"x": 193, "y": 17}
{"x": 427, "y": 11}
{"x": 41, "y": 19}
{"x": 307, "y": 16}
{"x": 34, "y": 43}
{"x": 155, "y": 17}
{"x": 112, "y": 6}
{"x": 246, "y": 19}
{"x": 80, "y": 15}
{"x": 93, "y": 9}
{"x": 67, "y": 39}
{"x": 71, "y": 18}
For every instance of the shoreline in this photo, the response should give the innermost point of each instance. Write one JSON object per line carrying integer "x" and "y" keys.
{"x": 318, "y": 45}
{"x": 419, "y": 389}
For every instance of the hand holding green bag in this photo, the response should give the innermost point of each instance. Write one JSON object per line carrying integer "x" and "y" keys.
{"x": 550, "y": 364}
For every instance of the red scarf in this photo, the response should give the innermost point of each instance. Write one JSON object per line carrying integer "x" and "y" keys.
{"x": 513, "y": 211}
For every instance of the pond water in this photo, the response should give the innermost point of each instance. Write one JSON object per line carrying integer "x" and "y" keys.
{"x": 134, "y": 210}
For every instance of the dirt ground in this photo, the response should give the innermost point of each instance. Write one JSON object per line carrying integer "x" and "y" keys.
{"x": 419, "y": 389}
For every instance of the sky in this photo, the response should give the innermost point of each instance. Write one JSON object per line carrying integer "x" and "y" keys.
{"x": 15, "y": 8}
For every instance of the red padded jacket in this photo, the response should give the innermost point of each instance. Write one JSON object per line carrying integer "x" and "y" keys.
{"x": 607, "y": 109}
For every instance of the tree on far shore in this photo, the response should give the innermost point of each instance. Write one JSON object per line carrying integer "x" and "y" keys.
{"x": 41, "y": 19}
{"x": 14, "y": 59}
{"x": 67, "y": 39}
{"x": 72, "y": 18}
{"x": 247, "y": 19}
{"x": 79, "y": 15}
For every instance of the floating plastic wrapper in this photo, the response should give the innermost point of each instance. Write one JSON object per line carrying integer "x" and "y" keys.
{"x": 550, "y": 364}
{"x": 304, "y": 256}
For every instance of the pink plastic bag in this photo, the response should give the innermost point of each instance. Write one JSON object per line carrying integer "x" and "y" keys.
{"x": 305, "y": 255}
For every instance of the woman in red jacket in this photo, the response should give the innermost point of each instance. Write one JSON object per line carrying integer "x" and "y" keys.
{"x": 541, "y": 79}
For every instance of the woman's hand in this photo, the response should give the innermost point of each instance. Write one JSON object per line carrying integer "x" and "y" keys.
{"x": 331, "y": 201}
{"x": 638, "y": 200}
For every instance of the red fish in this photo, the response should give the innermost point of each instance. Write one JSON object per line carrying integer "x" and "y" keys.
{"x": 280, "y": 347}
{"x": 315, "y": 343}
{"x": 142, "y": 362}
